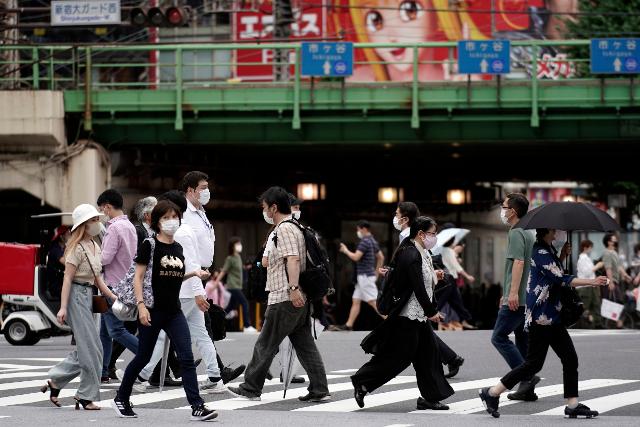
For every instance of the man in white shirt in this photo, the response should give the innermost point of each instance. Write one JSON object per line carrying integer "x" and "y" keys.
{"x": 197, "y": 238}
{"x": 590, "y": 295}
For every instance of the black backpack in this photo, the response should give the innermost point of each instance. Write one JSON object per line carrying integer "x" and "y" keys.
{"x": 257, "y": 279}
{"x": 315, "y": 281}
{"x": 389, "y": 297}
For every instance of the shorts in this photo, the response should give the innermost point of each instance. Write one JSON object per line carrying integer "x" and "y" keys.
{"x": 366, "y": 289}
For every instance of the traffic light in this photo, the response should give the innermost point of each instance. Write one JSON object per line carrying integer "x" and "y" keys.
{"x": 160, "y": 17}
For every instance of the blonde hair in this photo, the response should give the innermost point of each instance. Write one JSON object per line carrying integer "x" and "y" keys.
{"x": 76, "y": 237}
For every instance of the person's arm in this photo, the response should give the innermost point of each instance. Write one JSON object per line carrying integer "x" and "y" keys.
{"x": 608, "y": 266}
{"x": 104, "y": 289}
{"x": 225, "y": 268}
{"x": 452, "y": 261}
{"x": 624, "y": 274}
{"x": 293, "y": 270}
{"x": 110, "y": 245}
{"x": 69, "y": 273}
{"x": 353, "y": 256}
{"x": 187, "y": 240}
{"x": 598, "y": 266}
{"x": 379, "y": 259}
{"x": 288, "y": 245}
{"x": 517, "y": 252}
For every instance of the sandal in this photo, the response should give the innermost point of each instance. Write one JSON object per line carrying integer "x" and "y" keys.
{"x": 87, "y": 405}
{"x": 53, "y": 395}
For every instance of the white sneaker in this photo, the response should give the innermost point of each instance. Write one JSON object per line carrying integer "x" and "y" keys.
{"x": 141, "y": 387}
{"x": 231, "y": 315}
{"x": 209, "y": 387}
{"x": 250, "y": 330}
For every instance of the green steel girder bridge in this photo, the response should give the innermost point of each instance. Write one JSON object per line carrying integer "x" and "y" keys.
{"x": 123, "y": 96}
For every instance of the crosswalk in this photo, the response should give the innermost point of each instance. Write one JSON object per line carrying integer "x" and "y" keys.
{"x": 20, "y": 380}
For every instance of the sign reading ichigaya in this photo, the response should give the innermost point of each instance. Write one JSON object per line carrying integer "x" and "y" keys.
{"x": 85, "y": 12}
{"x": 484, "y": 57}
{"x": 615, "y": 56}
{"x": 327, "y": 59}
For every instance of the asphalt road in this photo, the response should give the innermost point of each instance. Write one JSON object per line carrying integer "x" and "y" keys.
{"x": 609, "y": 375}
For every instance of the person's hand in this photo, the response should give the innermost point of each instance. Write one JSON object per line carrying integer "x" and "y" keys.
{"x": 566, "y": 250}
{"x": 438, "y": 317}
{"x": 343, "y": 248}
{"x": 202, "y": 274}
{"x": 513, "y": 301}
{"x": 471, "y": 279}
{"x": 599, "y": 266}
{"x": 382, "y": 271}
{"x": 113, "y": 297}
{"x": 62, "y": 315}
{"x": 601, "y": 281}
{"x": 202, "y": 303}
{"x": 439, "y": 274}
{"x": 297, "y": 299}
{"x": 143, "y": 315}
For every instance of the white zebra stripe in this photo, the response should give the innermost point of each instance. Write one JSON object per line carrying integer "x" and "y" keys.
{"x": 603, "y": 404}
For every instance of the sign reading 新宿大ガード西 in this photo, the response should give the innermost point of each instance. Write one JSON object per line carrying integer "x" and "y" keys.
{"x": 615, "y": 56}
{"x": 327, "y": 59}
{"x": 85, "y": 12}
{"x": 484, "y": 57}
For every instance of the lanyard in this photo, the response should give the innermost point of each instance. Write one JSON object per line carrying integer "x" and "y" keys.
{"x": 204, "y": 219}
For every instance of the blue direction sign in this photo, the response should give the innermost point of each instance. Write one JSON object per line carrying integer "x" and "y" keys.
{"x": 327, "y": 59}
{"x": 615, "y": 56}
{"x": 484, "y": 57}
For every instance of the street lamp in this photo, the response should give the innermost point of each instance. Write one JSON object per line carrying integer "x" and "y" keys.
{"x": 390, "y": 194}
{"x": 311, "y": 191}
{"x": 458, "y": 197}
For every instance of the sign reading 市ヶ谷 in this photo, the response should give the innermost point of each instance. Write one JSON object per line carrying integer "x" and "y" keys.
{"x": 327, "y": 59}
{"x": 615, "y": 56}
{"x": 85, "y": 12}
{"x": 484, "y": 57}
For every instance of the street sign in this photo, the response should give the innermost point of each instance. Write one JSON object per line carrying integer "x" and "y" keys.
{"x": 484, "y": 57}
{"x": 615, "y": 56}
{"x": 85, "y": 12}
{"x": 327, "y": 59}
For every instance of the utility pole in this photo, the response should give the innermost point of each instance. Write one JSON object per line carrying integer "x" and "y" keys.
{"x": 282, "y": 19}
{"x": 10, "y": 68}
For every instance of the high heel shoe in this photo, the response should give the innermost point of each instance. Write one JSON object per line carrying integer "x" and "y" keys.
{"x": 54, "y": 393}
{"x": 86, "y": 405}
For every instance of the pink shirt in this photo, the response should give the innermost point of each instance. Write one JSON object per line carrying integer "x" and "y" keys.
{"x": 119, "y": 247}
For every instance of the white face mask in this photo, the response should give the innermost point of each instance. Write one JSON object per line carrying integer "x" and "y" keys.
{"x": 94, "y": 229}
{"x": 429, "y": 241}
{"x": 396, "y": 223}
{"x": 205, "y": 196}
{"x": 359, "y": 234}
{"x": 238, "y": 248}
{"x": 503, "y": 216}
{"x": 267, "y": 219}
{"x": 296, "y": 215}
{"x": 170, "y": 226}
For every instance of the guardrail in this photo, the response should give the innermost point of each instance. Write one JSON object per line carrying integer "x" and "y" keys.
{"x": 179, "y": 67}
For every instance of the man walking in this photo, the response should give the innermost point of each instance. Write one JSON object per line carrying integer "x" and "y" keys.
{"x": 287, "y": 312}
{"x": 119, "y": 246}
{"x": 615, "y": 270}
{"x": 368, "y": 258}
{"x": 511, "y": 314}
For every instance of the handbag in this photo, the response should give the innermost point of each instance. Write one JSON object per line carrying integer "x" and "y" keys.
{"x": 218, "y": 322}
{"x": 125, "y": 292}
{"x": 572, "y": 306}
{"x": 98, "y": 302}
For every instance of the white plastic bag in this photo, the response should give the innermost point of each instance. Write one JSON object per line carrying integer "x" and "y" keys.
{"x": 611, "y": 310}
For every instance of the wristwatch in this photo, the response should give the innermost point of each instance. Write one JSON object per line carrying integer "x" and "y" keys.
{"x": 139, "y": 302}
{"x": 293, "y": 288}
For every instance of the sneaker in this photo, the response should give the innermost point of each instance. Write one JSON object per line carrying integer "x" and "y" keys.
{"x": 250, "y": 330}
{"x": 210, "y": 387}
{"x": 454, "y": 367}
{"x": 490, "y": 403}
{"x": 231, "y": 315}
{"x": 313, "y": 397}
{"x": 119, "y": 374}
{"x": 526, "y": 390}
{"x": 580, "y": 411}
{"x": 105, "y": 379}
{"x": 141, "y": 386}
{"x": 230, "y": 374}
{"x": 238, "y": 392}
{"x": 423, "y": 404}
{"x": 122, "y": 408}
{"x": 113, "y": 374}
{"x": 202, "y": 413}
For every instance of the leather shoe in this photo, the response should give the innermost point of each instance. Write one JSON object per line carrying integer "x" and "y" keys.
{"x": 230, "y": 374}
{"x": 434, "y": 406}
{"x": 526, "y": 396}
{"x": 454, "y": 367}
{"x": 295, "y": 380}
{"x": 358, "y": 394}
{"x": 168, "y": 382}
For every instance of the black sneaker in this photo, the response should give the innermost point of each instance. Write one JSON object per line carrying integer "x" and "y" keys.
{"x": 454, "y": 367}
{"x": 230, "y": 374}
{"x": 105, "y": 379}
{"x": 238, "y": 392}
{"x": 526, "y": 390}
{"x": 202, "y": 413}
{"x": 123, "y": 409}
{"x": 313, "y": 397}
{"x": 490, "y": 403}
{"x": 423, "y": 404}
{"x": 580, "y": 411}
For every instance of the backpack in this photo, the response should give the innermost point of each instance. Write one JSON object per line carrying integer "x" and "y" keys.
{"x": 315, "y": 281}
{"x": 257, "y": 279}
{"x": 389, "y": 298}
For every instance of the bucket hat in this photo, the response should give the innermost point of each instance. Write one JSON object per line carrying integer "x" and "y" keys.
{"x": 82, "y": 214}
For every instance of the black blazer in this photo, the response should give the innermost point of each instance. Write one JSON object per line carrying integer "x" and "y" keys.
{"x": 408, "y": 270}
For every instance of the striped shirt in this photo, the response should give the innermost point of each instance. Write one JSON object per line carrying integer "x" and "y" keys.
{"x": 369, "y": 248}
{"x": 289, "y": 241}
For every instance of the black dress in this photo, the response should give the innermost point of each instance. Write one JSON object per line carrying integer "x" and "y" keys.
{"x": 399, "y": 341}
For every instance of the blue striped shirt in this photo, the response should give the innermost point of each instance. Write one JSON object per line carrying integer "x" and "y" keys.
{"x": 369, "y": 248}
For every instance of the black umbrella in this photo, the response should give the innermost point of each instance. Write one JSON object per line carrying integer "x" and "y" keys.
{"x": 568, "y": 216}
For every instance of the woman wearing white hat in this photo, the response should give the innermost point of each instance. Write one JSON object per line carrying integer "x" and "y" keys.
{"x": 82, "y": 268}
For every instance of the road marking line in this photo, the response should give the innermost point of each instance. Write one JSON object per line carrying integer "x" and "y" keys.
{"x": 28, "y": 384}
{"x": 22, "y": 375}
{"x": 471, "y": 406}
{"x": 21, "y": 399}
{"x": 603, "y": 404}
{"x": 35, "y": 359}
{"x": 380, "y": 399}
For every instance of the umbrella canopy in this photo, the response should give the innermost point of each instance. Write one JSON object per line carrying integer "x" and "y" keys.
{"x": 568, "y": 216}
{"x": 447, "y": 234}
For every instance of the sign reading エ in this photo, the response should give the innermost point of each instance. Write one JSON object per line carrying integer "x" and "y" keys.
{"x": 85, "y": 12}
{"x": 327, "y": 59}
{"x": 615, "y": 56}
{"x": 484, "y": 57}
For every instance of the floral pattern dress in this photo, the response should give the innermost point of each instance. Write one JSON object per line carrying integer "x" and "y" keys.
{"x": 545, "y": 278}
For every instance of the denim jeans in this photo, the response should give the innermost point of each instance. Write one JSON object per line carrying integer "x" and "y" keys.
{"x": 510, "y": 321}
{"x": 112, "y": 327}
{"x": 238, "y": 298}
{"x": 175, "y": 325}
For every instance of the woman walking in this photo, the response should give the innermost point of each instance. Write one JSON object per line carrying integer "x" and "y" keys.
{"x": 543, "y": 320}
{"x": 406, "y": 336}
{"x": 82, "y": 266}
{"x": 166, "y": 280}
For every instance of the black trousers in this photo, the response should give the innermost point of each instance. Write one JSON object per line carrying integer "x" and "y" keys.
{"x": 451, "y": 294}
{"x": 447, "y": 355}
{"x": 410, "y": 342}
{"x": 540, "y": 339}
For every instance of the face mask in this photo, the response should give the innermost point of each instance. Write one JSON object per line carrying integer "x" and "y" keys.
{"x": 205, "y": 196}
{"x": 94, "y": 229}
{"x": 429, "y": 241}
{"x": 396, "y": 223}
{"x": 170, "y": 226}
{"x": 296, "y": 215}
{"x": 238, "y": 248}
{"x": 267, "y": 219}
{"x": 503, "y": 216}
{"x": 359, "y": 234}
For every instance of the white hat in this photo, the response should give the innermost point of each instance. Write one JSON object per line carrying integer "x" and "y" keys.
{"x": 82, "y": 214}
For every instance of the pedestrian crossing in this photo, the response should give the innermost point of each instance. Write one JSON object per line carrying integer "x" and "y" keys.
{"x": 20, "y": 381}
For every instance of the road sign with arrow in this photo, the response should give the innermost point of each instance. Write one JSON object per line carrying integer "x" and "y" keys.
{"x": 484, "y": 57}
{"x": 615, "y": 56}
{"x": 327, "y": 59}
